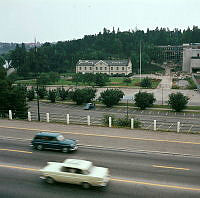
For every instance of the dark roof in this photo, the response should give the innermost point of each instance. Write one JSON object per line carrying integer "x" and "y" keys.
{"x": 108, "y": 62}
{"x": 48, "y": 134}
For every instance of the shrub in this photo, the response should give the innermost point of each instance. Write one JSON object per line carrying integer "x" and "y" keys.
{"x": 52, "y": 94}
{"x": 178, "y": 101}
{"x": 30, "y": 94}
{"x": 146, "y": 82}
{"x": 144, "y": 100}
{"x": 111, "y": 97}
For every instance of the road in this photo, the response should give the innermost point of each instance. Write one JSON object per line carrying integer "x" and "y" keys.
{"x": 190, "y": 122}
{"x": 134, "y": 174}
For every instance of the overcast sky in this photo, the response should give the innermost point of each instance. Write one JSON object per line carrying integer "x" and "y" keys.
{"x": 60, "y": 20}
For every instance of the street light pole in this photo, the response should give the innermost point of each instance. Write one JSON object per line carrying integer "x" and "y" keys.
{"x": 38, "y": 103}
{"x": 140, "y": 62}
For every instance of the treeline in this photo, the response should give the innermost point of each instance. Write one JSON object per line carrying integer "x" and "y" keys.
{"x": 63, "y": 56}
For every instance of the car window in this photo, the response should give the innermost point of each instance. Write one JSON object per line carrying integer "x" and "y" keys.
{"x": 60, "y": 138}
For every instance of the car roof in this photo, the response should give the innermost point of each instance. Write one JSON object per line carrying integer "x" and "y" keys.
{"x": 77, "y": 163}
{"x": 48, "y": 134}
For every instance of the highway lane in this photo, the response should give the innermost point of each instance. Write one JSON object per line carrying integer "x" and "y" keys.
{"x": 139, "y": 175}
{"x": 118, "y": 141}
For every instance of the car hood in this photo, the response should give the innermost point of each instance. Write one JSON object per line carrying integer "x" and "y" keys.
{"x": 99, "y": 172}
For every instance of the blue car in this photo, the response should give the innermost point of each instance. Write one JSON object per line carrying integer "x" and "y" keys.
{"x": 89, "y": 106}
{"x": 53, "y": 141}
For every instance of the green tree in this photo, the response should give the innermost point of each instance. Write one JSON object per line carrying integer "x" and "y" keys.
{"x": 63, "y": 94}
{"x": 111, "y": 97}
{"x": 81, "y": 96}
{"x": 178, "y": 101}
{"x": 42, "y": 92}
{"x": 101, "y": 79}
{"x": 30, "y": 94}
{"x": 52, "y": 94}
{"x": 43, "y": 79}
{"x": 146, "y": 82}
{"x": 54, "y": 77}
{"x": 144, "y": 100}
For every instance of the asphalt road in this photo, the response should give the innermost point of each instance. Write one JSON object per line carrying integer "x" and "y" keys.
{"x": 166, "y": 120}
{"x": 133, "y": 174}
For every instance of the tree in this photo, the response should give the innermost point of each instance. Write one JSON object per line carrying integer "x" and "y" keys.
{"x": 146, "y": 82}
{"x": 127, "y": 81}
{"x": 178, "y": 101}
{"x": 81, "y": 96}
{"x": 30, "y": 94}
{"x": 63, "y": 94}
{"x": 42, "y": 92}
{"x": 111, "y": 97}
{"x": 144, "y": 100}
{"x": 52, "y": 94}
{"x": 101, "y": 79}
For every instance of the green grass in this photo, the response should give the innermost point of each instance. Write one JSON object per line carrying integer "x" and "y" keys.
{"x": 114, "y": 82}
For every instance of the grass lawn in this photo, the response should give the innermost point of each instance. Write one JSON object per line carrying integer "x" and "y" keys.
{"x": 114, "y": 82}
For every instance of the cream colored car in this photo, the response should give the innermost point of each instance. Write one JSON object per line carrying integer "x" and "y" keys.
{"x": 75, "y": 171}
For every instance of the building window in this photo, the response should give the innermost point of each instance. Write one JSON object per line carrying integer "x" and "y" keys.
{"x": 100, "y": 68}
{"x": 96, "y": 68}
{"x": 85, "y": 68}
{"x": 79, "y": 68}
{"x": 122, "y": 68}
{"x": 111, "y": 68}
{"x": 105, "y": 68}
{"x": 117, "y": 68}
{"x": 90, "y": 68}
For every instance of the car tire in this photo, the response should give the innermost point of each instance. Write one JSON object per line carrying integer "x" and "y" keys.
{"x": 65, "y": 150}
{"x": 50, "y": 180}
{"x": 39, "y": 147}
{"x": 86, "y": 185}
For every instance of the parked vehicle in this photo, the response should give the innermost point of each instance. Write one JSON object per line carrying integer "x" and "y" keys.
{"x": 75, "y": 171}
{"x": 89, "y": 106}
{"x": 53, "y": 141}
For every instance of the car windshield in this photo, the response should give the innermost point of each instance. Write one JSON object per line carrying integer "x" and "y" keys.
{"x": 89, "y": 170}
{"x": 60, "y": 138}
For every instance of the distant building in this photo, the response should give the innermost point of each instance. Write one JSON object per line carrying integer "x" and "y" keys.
{"x": 109, "y": 67}
{"x": 171, "y": 53}
{"x": 191, "y": 57}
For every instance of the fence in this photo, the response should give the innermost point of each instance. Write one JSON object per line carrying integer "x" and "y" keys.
{"x": 95, "y": 120}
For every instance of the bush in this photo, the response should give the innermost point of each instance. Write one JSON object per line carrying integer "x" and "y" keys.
{"x": 52, "y": 94}
{"x": 81, "y": 96}
{"x": 42, "y": 92}
{"x": 144, "y": 100}
{"x": 146, "y": 82}
{"x": 30, "y": 94}
{"x": 120, "y": 122}
{"x": 106, "y": 119}
{"x": 111, "y": 97}
{"x": 62, "y": 93}
{"x": 178, "y": 101}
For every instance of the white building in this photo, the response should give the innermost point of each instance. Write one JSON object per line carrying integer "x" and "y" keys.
{"x": 191, "y": 58}
{"x": 109, "y": 67}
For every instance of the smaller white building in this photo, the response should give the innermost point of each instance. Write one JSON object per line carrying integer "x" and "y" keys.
{"x": 109, "y": 67}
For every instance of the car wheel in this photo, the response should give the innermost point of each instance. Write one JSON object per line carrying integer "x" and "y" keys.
{"x": 86, "y": 185}
{"x": 65, "y": 150}
{"x": 50, "y": 180}
{"x": 39, "y": 147}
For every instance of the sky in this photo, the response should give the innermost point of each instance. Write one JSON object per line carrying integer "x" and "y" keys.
{"x": 61, "y": 20}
